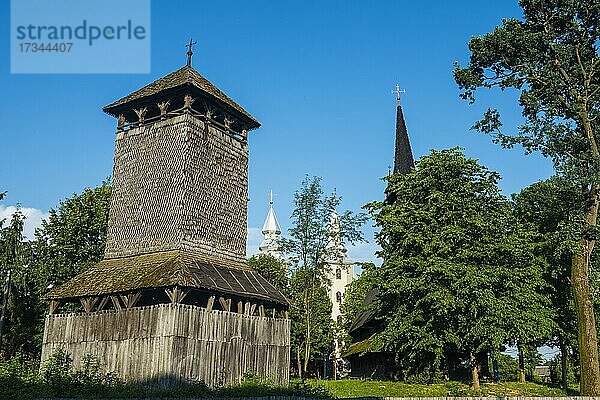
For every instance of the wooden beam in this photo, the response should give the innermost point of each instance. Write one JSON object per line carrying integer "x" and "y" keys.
{"x": 210, "y": 303}
{"x": 225, "y": 304}
{"x": 103, "y": 302}
{"x": 131, "y": 299}
{"x": 54, "y": 304}
{"x": 116, "y": 302}
{"x": 88, "y": 303}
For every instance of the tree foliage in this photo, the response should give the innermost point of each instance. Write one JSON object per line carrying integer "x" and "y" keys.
{"x": 72, "y": 238}
{"x": 74, "y": 235}
{"x": 459, "y": 276}
{"x": 306, "y": 248}
{"x": 547, "y": 207}
{"x": 551, "y": 57}
{"x": 11, "y": 266}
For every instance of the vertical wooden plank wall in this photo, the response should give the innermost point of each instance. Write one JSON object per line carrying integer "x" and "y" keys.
{"x": 173, "y": 341}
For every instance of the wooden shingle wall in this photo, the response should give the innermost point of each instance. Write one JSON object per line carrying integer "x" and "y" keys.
{"x": 168, "y": 342}
{"x": 179, "y": 184}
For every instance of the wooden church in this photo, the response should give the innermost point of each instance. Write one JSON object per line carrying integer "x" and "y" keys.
{"x": 366, "y": 360}
{"x": 173, "y": 298}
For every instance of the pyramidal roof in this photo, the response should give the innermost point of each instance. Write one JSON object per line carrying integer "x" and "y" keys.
{"x": 183, "y": 77}
{"x": 271, "y": 225}
{"x": 403, "y": 157}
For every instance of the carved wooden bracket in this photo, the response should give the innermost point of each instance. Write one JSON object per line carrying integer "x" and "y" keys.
{"x": 227, "y": 121}
{"x": 240, "y": 306}
{"x": 131, "y": 299}
{"x": 88, "y": 303}
{"x": 163, "y": 107}
{"x": 54, "y": 304}
{"x": 176, "y": 295}
{"x": 252, "y": 309}
{"x": 210, "y": 111}
{"x": 141, "y": 113}
{"x": 261, "y": 310}
{"x": 120, "y": 123}
{"x": 116, "y": 302}
{"x": 226, "y": 304}
{"x": 187, "y": 102}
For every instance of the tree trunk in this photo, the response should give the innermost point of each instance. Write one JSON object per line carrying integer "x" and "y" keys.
{"x": 563, "y": 365}
{"x": 474, "y": 371}
{"x": 308, "y": 339}
{"x": 521, "y": 364}
{"x": 299, "y": 362}
{"x": 580, "y": 268}
{"x": 586, "y": 321}
{"x": 4, "y": 305}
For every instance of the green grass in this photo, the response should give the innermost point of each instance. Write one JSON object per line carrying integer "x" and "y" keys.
{"x": 356, "y": 388}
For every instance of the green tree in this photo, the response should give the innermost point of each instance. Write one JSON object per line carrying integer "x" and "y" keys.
{"x": 307, "y": 249}
{"x": 551, "y": 58}
{"x": 11, "y": 243}
{"x": 458, "y": 277}
{"x": 548, "y": 206}
{"x": 312, "y": 329}
{"x": 273, "y": 270}
{"x": 74, "y": 235}
{"x": 71, "y": 239}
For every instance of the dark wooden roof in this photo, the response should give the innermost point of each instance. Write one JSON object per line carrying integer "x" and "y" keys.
{"x": 404, "y": 162}
{"x": 365, "y": 318}
{"x": 165, "y": 269}
{"x": 186, "y": 76}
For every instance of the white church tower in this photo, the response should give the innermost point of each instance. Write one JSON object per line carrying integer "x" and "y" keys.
{"x": 271, "y": 232}
{"x": 340, "y": 268}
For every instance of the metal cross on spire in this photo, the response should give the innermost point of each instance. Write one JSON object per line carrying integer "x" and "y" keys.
{"x": 271, "y": 198}
{"x": 398, "y": 92}
{"x": 190, "y": 52}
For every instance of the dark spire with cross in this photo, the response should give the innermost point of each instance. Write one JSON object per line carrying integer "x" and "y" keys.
{"x": 190, "y": 52}
{"x": 403, "y": 157}
{"x": 404, "y": 162}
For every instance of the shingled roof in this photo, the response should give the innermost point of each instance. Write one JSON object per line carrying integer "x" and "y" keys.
{"x": 166, "y": 269}
{"x": 186, "y": 76}
{"x": 404, "y": 162}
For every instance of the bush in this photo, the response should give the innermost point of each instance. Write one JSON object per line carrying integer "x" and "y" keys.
{"x": 57, "y": 371}
{"x": 19, "y": 378}
{"x": 508, "y": 368}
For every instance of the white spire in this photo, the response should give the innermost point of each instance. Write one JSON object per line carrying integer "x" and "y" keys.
{"x": 336, "y": 248}
{"x": 271, "y": 225}
{"x": 271, "y": 232}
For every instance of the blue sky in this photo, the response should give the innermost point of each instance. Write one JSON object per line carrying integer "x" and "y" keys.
{"x": 317, "y": 74}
